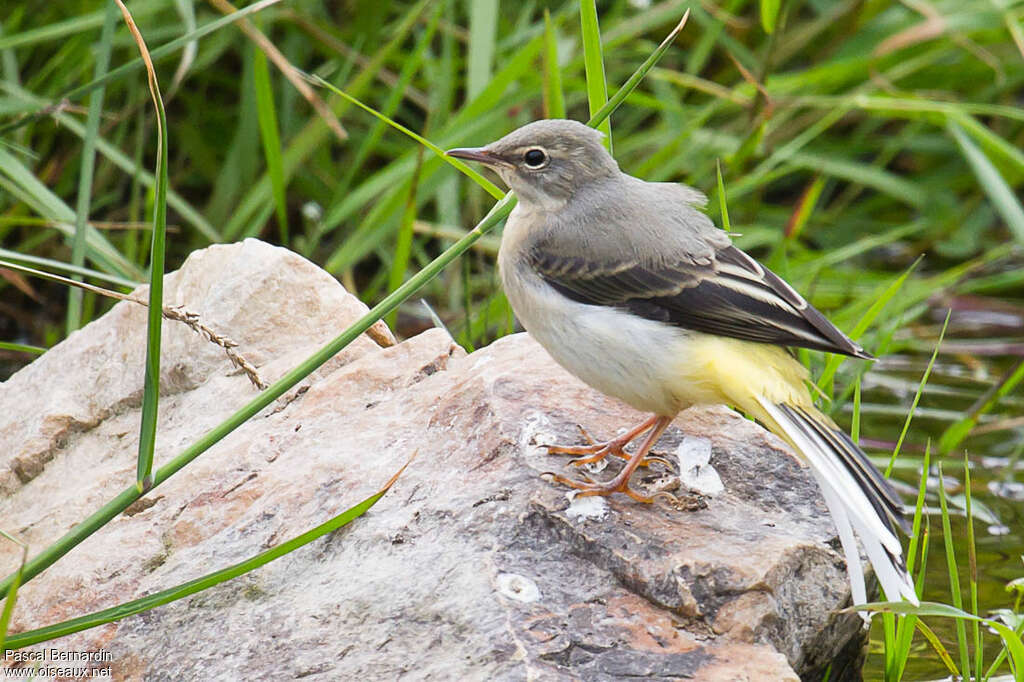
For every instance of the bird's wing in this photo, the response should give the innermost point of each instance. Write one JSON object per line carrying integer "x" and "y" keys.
{"x": 728, "y": 293}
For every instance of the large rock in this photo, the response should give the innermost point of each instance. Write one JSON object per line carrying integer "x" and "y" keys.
{"x": 472, "y": 566}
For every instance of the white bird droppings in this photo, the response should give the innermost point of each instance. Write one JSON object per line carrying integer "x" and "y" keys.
{"x": 517, "y": 587}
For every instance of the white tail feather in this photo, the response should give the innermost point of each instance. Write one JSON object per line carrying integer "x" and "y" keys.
{"x": 839, "y": 517}
{"x": 851, "y": 510}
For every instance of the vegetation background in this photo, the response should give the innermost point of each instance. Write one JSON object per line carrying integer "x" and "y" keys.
{"x": 869, "y": 151}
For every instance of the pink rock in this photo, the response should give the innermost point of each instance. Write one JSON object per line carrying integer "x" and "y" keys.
{"x": 472, "y": 566}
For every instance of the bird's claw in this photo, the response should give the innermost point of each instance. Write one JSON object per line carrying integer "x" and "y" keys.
{"x": 652, "y": 459}
{"x": 586, "y": 436}
{"x": 595, "y": 452}
{"x": 589, "y": 488}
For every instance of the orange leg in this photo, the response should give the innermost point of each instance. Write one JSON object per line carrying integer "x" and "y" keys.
{"x": 595, "y": 452}
{"x": 620, "y": 484}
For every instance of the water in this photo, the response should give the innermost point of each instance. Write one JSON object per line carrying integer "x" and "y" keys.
{"x": 981, "y": 350}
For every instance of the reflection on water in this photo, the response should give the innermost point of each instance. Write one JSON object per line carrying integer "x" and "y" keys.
{"x": 974, "y": 376}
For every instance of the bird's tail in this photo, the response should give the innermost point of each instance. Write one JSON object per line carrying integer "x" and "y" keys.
{"x": 766, "y": 382}
{"x": 857, "y": 495}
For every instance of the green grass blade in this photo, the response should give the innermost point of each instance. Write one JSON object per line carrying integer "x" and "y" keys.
{"x": 919, "y": 588}
{"x": 865, "y": 174}
{"x": 1005, "y": 155}
{"x": 726, "y": 225}
{"x": 483, "y": 29}
{"x": 311, "y": 138}
{"x": 805, "y": 207}
{"x": 855, "y": 421}
{"x": 345, "y": 255}
{"x": 750, "y": 145}
{"x": 910, "y": 108}
{"x": 593, "y": 59}
{"x": 554, "y": 99}
{"x": 866, "y": 320}
{"x": 972, "y": 569}
{"x": 66, "y": 267}
{"x": 21, "y": 348}
{"x": 865, "y": 244}
{"x": 954, "y": 574}
{"x": 63, "y": 280}
{"x": 187, "y": 12}
{"x": 890, "y": 630}
{"x": 937, "y": 646}
{"x": 1010, "y": 638}
{"x": 992, "y": 183}
{"x": 188, "y": 214}
{"x": 634, "y": 80}
{"x": 769, "y": 14}
{"x": 191, "y": 587}
{"x": 466, "y": 338}
{"x": 123, "y": 500}
{"x": 69, "y": 27}
{"x": 905, "y": 631}
{"x": 381, "y": 202}
{"x": 9, "y": 60}
{"x": 410, "y": 66}
{"x": 762, "y": 173}
{"x": 162, "y": 52}
{"x": 917, "y": 395}
{"x": 959, "y": 430}
{"x": 478, "y": 114}
{"x": 489, "y": 186}
{"x": 919, "y": 514}
{"x": 403, "y": 245}
{"x": 21, "y": 183}
{"x": 11, "y": 594}
{"x": 92, "y": 126}
{"x": 267, "y": 117}
{"x": 1001, "y": 656}
{"x": 241, "y": 152}
{"x": 151, "y": 385}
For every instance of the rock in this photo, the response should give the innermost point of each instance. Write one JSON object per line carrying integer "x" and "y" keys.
{"x": 471, "y": 566}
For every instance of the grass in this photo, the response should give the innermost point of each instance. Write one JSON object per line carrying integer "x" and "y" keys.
{"x": 152, "y": 601}
{"x": 157, "y": 252}
{"x": 847, "y": 138}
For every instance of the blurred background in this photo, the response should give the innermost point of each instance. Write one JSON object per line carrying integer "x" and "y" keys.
{"x": 869, "y": 152}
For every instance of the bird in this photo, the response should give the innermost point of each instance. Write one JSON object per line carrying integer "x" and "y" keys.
{"x": 631, "y": 287}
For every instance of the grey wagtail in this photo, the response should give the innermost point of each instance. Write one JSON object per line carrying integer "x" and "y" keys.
{"x": 632, "y": 288}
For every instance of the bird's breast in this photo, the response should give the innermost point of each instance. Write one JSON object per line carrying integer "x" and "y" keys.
{"x": 622, "y": 355}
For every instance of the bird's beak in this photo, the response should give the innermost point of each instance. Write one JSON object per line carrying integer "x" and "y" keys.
{"x": 479, "y": 154}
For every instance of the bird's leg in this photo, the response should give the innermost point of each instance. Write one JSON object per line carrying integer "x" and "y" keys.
{"x": 620, "y": 484}
{"x": 595, "y": 452}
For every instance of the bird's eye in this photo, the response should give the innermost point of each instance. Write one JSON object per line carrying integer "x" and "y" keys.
{"x": 535, "y": 158}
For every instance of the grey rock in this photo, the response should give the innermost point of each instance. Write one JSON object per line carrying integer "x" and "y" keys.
{"x": 471, "y": 567}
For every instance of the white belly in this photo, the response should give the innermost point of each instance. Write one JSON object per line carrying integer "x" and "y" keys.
{"x": 619, "y": 354}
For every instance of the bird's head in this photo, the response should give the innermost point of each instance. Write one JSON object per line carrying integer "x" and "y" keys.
{"x": 546, "y": 162}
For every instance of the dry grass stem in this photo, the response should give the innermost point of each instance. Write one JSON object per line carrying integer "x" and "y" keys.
{"x": 286, "y": 68}
{"x": 191, "y": 320}
{"x": 176, "y": 313}
{"x": 384, "y": 75}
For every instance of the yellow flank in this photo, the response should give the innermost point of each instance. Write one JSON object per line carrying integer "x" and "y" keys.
{"x": 718, "y": 369}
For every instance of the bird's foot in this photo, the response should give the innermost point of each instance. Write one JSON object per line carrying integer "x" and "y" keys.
{"x": 594, "y": 452}
{"x": 653, "y": 427}
{"x": 588, "y": 487}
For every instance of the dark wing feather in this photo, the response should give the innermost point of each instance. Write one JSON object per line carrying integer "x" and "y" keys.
{"x": 730, "y": 295}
